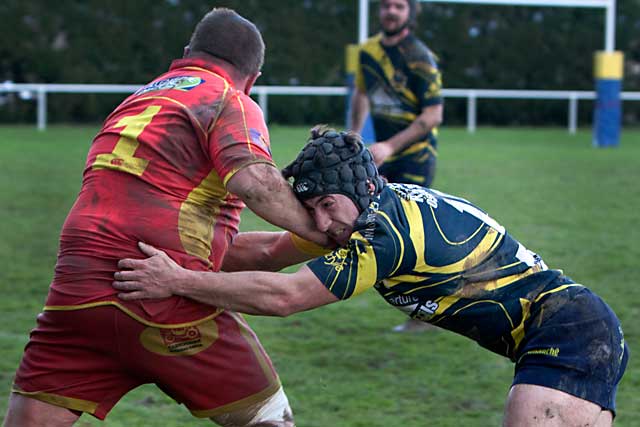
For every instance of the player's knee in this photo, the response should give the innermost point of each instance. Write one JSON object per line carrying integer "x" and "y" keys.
{"x": 24, "y": 411}
{"x": 272, "y": 412}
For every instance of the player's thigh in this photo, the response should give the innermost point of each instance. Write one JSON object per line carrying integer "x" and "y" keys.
{"x": 24, "y": 411}
{"x": 213, "y": 367}
{"x": 72, "y": 360}
{"x": 532, "y": 405}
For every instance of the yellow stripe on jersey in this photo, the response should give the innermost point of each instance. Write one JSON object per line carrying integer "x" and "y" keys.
{"x": 407, "y": 278}
{"x": 197, "y": 216}
{"x": 366, "y": 277}
{"x": 359, "y": 74}
{"x": 558, "y": 289}
{"x": 486, "y": 301}
{"x": 479, "y": 253}
{"x": 244, "y": 123}
{"x": 400, "y": 251}
{"x": 404, "y": 118}
{"x": 223, "y": 97}
{"x": 415, "y": 178}
{"x": 416, "y": 229}
{"x": 444, "y": 237}
{"x": 374, "y": 49}
{"x": 518, "y": 333}
{"x": 307, "y": 247}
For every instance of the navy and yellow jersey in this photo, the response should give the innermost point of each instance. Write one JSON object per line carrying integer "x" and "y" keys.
{"x": 442, "y": 260}
{"x": 399, "y": 81}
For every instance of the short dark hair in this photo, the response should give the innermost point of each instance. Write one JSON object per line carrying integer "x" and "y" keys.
{"x": 224, "y": 34}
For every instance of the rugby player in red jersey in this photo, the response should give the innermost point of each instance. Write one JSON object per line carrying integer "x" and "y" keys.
{"x": 173, "y": 165}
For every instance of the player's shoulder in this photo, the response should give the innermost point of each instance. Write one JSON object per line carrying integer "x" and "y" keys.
{"x": 372, "y": 43}
{"x": 236, "y": 99}
{"x": 417, "y": 52}
{"x": 380, "y": 216}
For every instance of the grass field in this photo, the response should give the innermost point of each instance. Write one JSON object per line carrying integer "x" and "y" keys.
{"x": 577, "y": 206}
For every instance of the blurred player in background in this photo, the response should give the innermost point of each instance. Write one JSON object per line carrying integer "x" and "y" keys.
{"x": 173, "y": 165}
{"x": 439, "y": 259}
{"x": 398, "y": 82}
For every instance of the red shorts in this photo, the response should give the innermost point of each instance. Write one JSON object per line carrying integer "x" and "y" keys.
{"x": 86, "y": 360}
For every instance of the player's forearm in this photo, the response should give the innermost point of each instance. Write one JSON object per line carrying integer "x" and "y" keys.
{"x": 265, "y": 192}
{"x": 430, "y": 118}
{"x": 259, "y": 293}
{"x": 280, "y": 207}
{"x": 262, "y": 250}
{"x": 252, "y": 251}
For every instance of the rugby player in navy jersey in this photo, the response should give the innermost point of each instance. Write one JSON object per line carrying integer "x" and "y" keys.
{"x": 398, "y": 81}
{"x": 437, "y": 257}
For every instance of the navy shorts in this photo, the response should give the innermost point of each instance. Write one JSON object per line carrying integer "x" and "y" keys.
{"x": 418, "y": 168}
{"x": 573, "y": 343}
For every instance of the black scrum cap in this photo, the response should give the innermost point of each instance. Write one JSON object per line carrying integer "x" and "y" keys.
{"x": 335, "y": 162}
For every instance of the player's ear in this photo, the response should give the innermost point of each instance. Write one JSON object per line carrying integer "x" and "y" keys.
{"x": 251, "y": 81}
{"x": 371, "y": 186}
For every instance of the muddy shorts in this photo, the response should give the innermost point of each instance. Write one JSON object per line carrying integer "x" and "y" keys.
{"x": 86, "y": 360}
{"x": 573, "y": 343}
{"x": 416, "y": 168}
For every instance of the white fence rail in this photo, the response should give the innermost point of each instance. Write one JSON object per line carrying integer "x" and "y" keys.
{"x": 40, "y": 91}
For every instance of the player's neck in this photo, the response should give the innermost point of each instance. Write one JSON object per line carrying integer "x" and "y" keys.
{"x": 394, "y": 39}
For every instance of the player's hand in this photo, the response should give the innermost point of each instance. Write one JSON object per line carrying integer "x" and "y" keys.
{"x": 152, "y": 277}
{"x": 380, "y": 151}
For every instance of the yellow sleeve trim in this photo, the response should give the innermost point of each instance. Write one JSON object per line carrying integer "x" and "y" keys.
{"x": 251, "y": 162}
{"x": 609, "y": 65}
{"x": 307, "y": 247}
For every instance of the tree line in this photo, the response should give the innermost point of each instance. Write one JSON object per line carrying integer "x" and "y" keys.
{"x": 487, "y": 47}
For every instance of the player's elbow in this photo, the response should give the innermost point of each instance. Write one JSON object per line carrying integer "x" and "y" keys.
{"x": 288, "y": 302}
{"x": 431, "y": 117}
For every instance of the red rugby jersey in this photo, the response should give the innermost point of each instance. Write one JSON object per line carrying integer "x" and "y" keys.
{"x": 156, "y": 172}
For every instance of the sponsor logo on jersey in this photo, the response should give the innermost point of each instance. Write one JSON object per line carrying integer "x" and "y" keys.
{"x": 182, "y": 83}
{"x": 551, "y": 351}
{"x": 180, "y": 341}
{"x": 370, "y": 221}
{"x": 337, "y": 259}
{"x": 258, "y": 139}
{"x": 402, "y": 300}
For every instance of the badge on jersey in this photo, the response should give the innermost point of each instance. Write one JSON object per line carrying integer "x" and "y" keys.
{"x": 182, "y": 83}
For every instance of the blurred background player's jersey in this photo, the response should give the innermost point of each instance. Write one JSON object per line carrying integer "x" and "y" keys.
{"x": 442, "y": 260}
{"x": 156, "y": 172}
{"x": 399, "y": 81}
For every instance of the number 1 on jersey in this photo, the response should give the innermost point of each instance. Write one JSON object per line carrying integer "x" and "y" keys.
{"x": 121, "y": 158}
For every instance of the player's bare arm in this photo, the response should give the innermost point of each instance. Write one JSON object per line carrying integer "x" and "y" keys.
{"x": 359, "y": 110}
{"x": 263, "y": 189}
{"x": 251, "y": 292}
{"x": 263, "y": 250}
{"x": 430, "y": 118}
